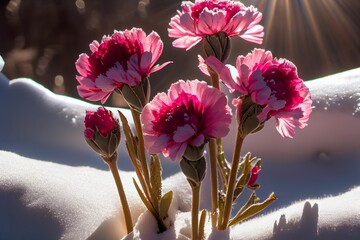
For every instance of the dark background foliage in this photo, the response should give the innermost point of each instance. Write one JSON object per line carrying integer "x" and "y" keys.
{"x": 42, "y": 39}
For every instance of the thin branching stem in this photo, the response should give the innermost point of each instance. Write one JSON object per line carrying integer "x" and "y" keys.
{"x": 232, "y": 182}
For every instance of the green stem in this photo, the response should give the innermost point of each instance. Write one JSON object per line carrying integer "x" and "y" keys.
{"x": 144, "y": 166}
{"x": 123, "y": 200}
{"x": 232, "y": 182}
{"x": 195, "y": 212}
{"x": 213, "y": 159}
{"x": 214, "y": 78}
{"x": 214, "y": 183}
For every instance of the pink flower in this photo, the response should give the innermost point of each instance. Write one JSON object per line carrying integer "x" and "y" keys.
{"x": 272, "y": 84}
{"x": 189, "y": 114}
{"x": 210, "y": 17}
{"x": 101, "y": 120}
{"x": 125, "y": 57}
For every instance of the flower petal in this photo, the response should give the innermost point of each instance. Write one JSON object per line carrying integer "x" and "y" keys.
{"x": 183, "y": 133}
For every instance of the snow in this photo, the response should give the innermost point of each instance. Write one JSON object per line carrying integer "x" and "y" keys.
{"x": 53, "y": 186}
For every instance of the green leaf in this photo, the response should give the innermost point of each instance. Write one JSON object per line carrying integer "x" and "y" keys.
{"x": 144, "y": 199}
{"x": 155, "y": 181}
{"x": 202, "y": 224}
{"x": 244, "y": 177}
{"x": 224, "y": 168}
{"x": 252, "y": 210}
{"x": 129, "y": 137}
{"x": 165, "y": 203}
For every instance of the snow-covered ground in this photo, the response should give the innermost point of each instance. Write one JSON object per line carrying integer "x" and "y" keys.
{"x": 53, "y": 186}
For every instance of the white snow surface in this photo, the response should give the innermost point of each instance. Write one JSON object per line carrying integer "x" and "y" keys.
{"x": 53, "y": 186}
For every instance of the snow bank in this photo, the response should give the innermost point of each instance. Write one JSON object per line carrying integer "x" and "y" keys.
{"x": 52, "y": 186}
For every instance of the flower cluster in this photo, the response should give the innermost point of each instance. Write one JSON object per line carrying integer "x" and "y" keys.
{"x": 192, "y": 116}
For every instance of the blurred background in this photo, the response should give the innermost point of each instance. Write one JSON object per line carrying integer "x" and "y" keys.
{"x": 42, "y": 39}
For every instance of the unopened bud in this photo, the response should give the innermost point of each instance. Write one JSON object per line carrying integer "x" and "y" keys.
{"x": 217, "y": 45}
{"x": 102, "y": 133}
{"x": 193, "y": 153}
{"x": 247, "y": 112}
{"x": 194, "y": 170}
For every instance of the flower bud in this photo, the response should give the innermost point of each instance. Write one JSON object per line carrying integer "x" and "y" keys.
{"x": 193, "y": 170}
{"x": 102, "y": 133}
{"x": 254, "y": 174}
{"x": 217, "y": 45}
{"x": 137, "y": 96}
{"x": 247, "y": 113}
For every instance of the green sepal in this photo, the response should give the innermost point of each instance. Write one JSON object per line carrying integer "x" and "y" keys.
{"x": 137, "y": 96}
{"x": 252, "y": 209}
{"x": 217, "y": 45}
{"x": 193, "y": 170}
{"x": 254, "y": 187}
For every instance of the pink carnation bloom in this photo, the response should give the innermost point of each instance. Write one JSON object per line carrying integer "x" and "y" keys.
{"x": 101, "y": 121}
{"x": 188, "y": 114}
{"x": 271, "y": 83}
{"x": 210, "y": 17}
{"x": 125, "y": 57}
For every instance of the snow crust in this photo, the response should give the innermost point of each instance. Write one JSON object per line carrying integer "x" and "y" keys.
{"x": 52, "y": 186}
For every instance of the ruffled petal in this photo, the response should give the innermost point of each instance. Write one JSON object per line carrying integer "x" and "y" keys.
{"x": 183, "y": 133}
{"x": 211, "y": 21}
{"x": 82, "y": 64}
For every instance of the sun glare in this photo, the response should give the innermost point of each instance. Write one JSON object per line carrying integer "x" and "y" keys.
{"x": 326, "y": 33}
